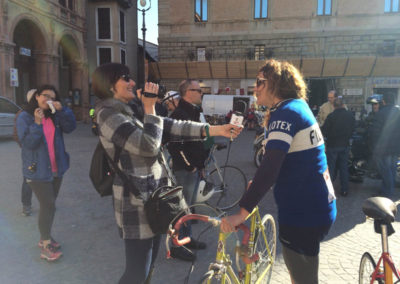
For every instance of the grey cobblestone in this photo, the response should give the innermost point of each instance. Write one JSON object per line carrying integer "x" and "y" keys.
{"x": 93, "y": 252}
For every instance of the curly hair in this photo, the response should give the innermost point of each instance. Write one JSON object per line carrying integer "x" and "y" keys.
{"x": 284, "y": 80}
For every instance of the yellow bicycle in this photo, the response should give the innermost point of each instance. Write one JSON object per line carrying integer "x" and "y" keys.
{"x": 256, "y": 252}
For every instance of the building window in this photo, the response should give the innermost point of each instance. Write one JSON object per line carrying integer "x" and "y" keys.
{"x": 104, "y": 55}
{"x": 260, "y": 9}
{"x": 259, "y": 53}
{"x": 200, "y": 13}
{"x": 389, "y": 47}
{"x": 392, "y": 6}
{"x": 324, "y": 8}
{"x": 103, "y": 23}
{"x": 123, "y": 56}
{"x": 201, "y": 54}
{"x": 122, "y": 26}
{"x": 69, "y": 4}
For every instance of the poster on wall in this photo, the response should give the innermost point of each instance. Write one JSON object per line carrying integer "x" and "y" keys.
{"x": 14, "y": 77}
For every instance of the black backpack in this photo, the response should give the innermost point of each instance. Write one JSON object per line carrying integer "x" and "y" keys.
{"x": 101, "y": 173}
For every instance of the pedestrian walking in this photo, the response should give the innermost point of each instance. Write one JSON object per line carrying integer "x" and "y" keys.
{"x": 295, "y": 165}
{"x": 385, "y": 137}
{"x": 338, "y": 129}
{"x": 139, "y": 160}
{"x": 40, "y": 129}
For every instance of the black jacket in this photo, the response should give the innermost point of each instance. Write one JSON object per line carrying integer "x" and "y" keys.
{"x": 187, "y": 155}
{"x": 338, "y": 128}
{"x": 385, "y": 131}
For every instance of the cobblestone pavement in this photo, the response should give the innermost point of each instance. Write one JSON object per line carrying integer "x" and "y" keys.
{"x": 93, "y": 252}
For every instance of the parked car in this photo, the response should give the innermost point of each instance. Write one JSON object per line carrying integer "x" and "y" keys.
{"x": 8, "y": 109}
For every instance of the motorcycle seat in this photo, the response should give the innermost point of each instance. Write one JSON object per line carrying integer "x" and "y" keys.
{"x": 380, "y": 208}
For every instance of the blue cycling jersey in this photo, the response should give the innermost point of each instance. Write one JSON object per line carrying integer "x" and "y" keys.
{"x": 303, "y": 191}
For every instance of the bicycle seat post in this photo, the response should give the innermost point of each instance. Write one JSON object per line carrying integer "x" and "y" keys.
{"x": 385, "y": 250}
{"x": 384, "y": 237}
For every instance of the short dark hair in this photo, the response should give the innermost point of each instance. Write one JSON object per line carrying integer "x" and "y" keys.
{"x": 104, "y": 78}
{"x": 33, "y": 104}
{"x": 388, "y": 98}
{"x": 338, "y": 102}
{"x": 184, "y": 85}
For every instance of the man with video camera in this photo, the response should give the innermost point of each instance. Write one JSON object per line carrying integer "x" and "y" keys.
{"x": 188, "y": 157}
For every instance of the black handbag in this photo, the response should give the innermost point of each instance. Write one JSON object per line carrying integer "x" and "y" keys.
{"x": 164, "y": 206}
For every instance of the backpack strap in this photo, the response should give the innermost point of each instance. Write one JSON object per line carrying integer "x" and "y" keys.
{"x": 125, "y": 133}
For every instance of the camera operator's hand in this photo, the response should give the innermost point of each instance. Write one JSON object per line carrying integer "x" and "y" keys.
{"x": 57, "y": 105}
{"x": 149, "y": 103}
{"x": 226, "y": 130}
{"x": 38, "y": 114}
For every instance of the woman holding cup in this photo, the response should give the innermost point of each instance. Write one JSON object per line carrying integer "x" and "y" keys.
{"x": 40, "y": 129}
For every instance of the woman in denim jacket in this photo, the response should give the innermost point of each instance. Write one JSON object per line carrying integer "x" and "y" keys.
{"x": 40, "y": 130}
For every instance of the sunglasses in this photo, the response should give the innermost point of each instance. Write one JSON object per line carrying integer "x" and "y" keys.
{"x": 260, "y": 81}
{"x": 126, "y": 78}
{"x": 196, "y": 90}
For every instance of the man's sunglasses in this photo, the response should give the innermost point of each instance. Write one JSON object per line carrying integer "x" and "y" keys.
{"x": 260, "y": 81}
{"x": 126, "y": 78}
{"x": 196, "y": 90}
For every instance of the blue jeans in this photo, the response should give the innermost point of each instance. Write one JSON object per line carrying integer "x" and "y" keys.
{"x": 189, "y": 181}
{"x": 140, "y": 256}
{"x": 26, "y": 194}
{"x": 387, "y": 168}
{"x": 338, "y": 156}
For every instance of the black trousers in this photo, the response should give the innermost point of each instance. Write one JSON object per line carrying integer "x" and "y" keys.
{"x": 46, "y": 192}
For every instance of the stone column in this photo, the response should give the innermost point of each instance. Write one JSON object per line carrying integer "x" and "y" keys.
{"x": 46, "y": 69}
{"x": 79, "y": 76}
{"x": 6, "y": 62}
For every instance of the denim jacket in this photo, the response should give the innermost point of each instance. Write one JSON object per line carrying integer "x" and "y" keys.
{"x": 35, "y": 155}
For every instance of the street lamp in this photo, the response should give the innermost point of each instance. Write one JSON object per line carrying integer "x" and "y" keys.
{"x": 146, "y": 5}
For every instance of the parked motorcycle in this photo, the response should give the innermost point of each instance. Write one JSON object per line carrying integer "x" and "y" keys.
{"x": 360, "y": 162}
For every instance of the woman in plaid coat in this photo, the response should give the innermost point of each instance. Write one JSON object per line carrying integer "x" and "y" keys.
{"x": 139, "y": 158}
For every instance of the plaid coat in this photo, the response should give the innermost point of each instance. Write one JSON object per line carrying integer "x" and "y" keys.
{"x": 138, "y": 159}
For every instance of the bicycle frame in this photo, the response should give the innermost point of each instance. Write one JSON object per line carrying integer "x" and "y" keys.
{"x": 389, "y": 269}
{"x": 223, "y": 263}
{"x": 388, "y": 264}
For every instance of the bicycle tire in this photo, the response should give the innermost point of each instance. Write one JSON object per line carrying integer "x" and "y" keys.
{"x": 210, "y": 278}
{"x": 260, "y": 247}
{"x": 367, "y": 267}
{"x": 228, "y": 193}
{"x": 258, "y": 156}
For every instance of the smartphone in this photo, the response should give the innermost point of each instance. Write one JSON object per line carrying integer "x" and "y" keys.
{"x": 237, "y": 119}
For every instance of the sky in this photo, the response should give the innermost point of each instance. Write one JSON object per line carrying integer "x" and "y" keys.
{"x": 151, "y": 22}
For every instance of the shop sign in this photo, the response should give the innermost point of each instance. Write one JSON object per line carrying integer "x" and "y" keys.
{"x": 386, "y": 81}
{"x": 352, "y": 92}
{"x": 14, "y": 77}
{"x": 24, "y": 51}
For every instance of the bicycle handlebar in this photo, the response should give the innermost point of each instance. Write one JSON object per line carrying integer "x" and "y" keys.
{"x": 246, "y": 256}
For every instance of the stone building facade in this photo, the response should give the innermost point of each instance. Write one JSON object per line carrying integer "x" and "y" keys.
{"x": 352, "y": 46}
{"x": 59, "y": 42}
{"x": 43, "y": 41}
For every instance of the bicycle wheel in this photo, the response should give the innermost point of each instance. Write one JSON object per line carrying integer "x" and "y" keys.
{"x": 265, "y": 246}
{"x": 258, "y": 156}
{"x": 229, "y": 184}
{"x": 211, "y": 278}
{"x": 367, "y": 267}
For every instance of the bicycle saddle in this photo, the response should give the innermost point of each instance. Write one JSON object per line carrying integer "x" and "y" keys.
{"x": 220, "y": 146}
{"x": 380, "y": 208}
